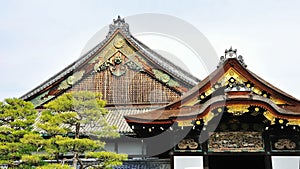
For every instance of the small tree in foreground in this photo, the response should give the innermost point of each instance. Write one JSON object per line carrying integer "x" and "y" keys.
{"x": 72, "y": 120}
{"x": 16, "y": 120}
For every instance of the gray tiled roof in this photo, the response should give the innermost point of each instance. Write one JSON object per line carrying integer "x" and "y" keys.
{"x": 115, "y": 117}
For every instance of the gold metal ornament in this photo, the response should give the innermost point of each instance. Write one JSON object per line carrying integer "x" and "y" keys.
{"x": 119, "y": 42}
{"x": 285, "y": 143}
{"x": 187, "y": 143}
{"x": 238, "y": 110}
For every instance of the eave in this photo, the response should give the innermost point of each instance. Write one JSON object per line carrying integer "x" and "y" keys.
{"x": 182, "y": 110}
{"x": 199, "y": 111}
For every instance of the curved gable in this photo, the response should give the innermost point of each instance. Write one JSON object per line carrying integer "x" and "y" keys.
{"x": 231, "y": 88}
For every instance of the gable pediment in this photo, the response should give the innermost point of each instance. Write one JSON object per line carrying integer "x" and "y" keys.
{"x": 230, "y": 75}
{"x": 232, "y": 87}
{"x": 119, "y": 56}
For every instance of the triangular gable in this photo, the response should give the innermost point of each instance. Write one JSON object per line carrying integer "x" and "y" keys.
{"x": 118, "y": 54}
{"x": 233, "y": 72}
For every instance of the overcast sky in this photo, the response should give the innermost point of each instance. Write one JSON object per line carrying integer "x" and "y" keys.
{"x": 40, "y": 38}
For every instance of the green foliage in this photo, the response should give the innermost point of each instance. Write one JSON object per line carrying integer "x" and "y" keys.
{"x": 16, "y": 120}
{"x": 80, "y": 114}
{"x": 54, "y": 166}
{"x": 77, "y": 113}
{"x": 34, "y": 139}
{"x": 33, "y": 160}
{"x": 84, "y": 108}
{"x": 107, "y": 159}
{"x": 51, "y": 121}
{"x": 78, "y": 145}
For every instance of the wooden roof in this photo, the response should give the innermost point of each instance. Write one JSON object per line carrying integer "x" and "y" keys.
{"x": 119, "y": 55}
{"x": 231, "y": 84}
{"x": 131, "y": 77}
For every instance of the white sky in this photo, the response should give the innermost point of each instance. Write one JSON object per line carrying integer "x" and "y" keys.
{"x": 40, "y": 38}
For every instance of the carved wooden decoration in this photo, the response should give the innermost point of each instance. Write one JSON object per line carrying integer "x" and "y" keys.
{"x": 118, "y": 56}
{"x": 236, "y": 142}
{"x": 165, "y": 78}
{"x": 71, "y": 80}
{"x": 117, "y": 65}
{"x": 188, "y": 145}
{"x": 229, "y": 79}
{"x": 285, "y": 144}
{"x": 43, "y": 98}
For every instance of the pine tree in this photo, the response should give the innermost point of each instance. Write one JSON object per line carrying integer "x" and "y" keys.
{"x": 16, "y": 120}
{"x": 71, "y": 121}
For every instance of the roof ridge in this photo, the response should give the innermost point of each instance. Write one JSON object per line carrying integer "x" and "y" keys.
{"x": 118, "y": 24}
{"x": 272, "y": 86}
{"x": 68, "y": 69}
{"x": 190, "y": 78}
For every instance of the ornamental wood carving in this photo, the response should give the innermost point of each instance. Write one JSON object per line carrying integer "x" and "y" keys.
{"x": 228, "y": 79}
{"x": 71, "y": 80}
{"x": 117, "y": 65}
{"x": 118, "y": 56}
{"x": 188, "y": 145}
{"x": 236, "y": 142}
{"x": 285, "y": 144}
{"x": 165, "y": 78}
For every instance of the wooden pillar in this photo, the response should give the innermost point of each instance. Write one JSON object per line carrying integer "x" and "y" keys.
{"x": 172, "y": 160}
{"x": 205, "y": 162}
{"x": 205, "y": 155}
{"x": 268, "y": 157}
{"x": 268, "y": 162}
{"x": 172, "y": 142}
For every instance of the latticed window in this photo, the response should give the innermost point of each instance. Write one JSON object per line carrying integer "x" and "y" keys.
{"x": 131, "y": 88}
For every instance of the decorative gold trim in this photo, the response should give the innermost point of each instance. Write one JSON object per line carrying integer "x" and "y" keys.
{"x": 293, "y": 122}
{"x": 209, "y": 91}
{"x": 184, "y": 123}
{"x": 117, "y": 45}
{"x": 119, "y": 42}
{"x": 271, "y": 117}
{"x": 231, "y": 74}
{"x": 277, "y": 101}
{"x": 71, "y": 80}
{"x": 208, "y": 117}
{"x": 238, "y": 110}
{"x": 165, "y": 78}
